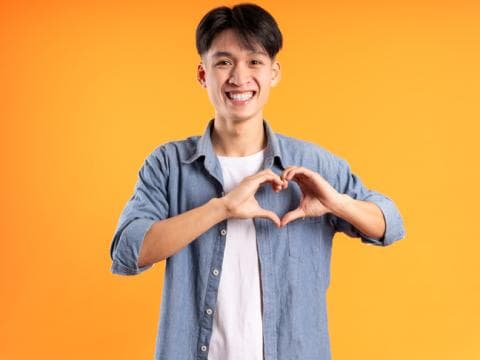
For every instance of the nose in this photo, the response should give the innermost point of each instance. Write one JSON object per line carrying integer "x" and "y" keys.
{"x": 240, "y": 75}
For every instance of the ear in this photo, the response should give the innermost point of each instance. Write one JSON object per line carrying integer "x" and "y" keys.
{"x": 201, "y": 75}
{"x": 276, "y": 74}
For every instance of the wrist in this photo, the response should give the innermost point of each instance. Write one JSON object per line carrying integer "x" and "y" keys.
{"x": 340, "y": 204}
{"x": 219, "y": 207}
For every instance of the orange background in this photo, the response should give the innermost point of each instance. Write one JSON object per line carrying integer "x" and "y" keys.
{"x": 88, "y": 89}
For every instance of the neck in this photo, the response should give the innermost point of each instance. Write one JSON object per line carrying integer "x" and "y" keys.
{"x": 238, "y": 138}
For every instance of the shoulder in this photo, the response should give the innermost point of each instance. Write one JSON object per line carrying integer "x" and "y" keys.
{"x": 171, "y": 153}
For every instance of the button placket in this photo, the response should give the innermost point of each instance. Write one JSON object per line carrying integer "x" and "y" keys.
{"x": 216, "y": 273}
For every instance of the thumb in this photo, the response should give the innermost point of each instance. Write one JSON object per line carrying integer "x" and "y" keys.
{"x": 292, "y": 215}
{"x": 269, "y": 215}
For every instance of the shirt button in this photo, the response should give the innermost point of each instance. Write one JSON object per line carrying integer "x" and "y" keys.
{"x": 203, "y": 348}
{"x": 216, "y": 272}
{"x": 223, "y": 232}
{"x": 209, "y": 311}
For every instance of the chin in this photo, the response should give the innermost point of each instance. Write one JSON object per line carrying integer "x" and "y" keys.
{"x": 241, "y": 117}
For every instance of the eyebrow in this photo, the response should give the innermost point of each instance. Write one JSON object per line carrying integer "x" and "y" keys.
{"x": 218, "y": 54}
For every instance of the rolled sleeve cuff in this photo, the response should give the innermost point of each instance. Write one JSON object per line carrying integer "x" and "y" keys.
{"x": 394, "y": 229}
{"x": 125, "y": 256}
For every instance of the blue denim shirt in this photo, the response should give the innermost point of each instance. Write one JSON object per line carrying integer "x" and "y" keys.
{"x": 294, "y": 260}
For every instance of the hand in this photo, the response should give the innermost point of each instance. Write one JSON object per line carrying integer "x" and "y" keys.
{"x": 318, "y": 196}
{"x": 241, "y": 202}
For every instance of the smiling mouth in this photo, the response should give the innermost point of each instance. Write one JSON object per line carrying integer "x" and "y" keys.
{"x": 240, "y": 97}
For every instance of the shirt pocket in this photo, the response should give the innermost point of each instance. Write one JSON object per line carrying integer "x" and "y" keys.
{"x": 304, "y": 236}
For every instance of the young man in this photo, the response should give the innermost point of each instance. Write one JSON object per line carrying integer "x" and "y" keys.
{"x": 244, "y": 216}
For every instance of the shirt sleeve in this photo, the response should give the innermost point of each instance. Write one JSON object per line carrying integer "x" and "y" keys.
{"x": 349, "y": 183}
{"x": 148, "y": 204}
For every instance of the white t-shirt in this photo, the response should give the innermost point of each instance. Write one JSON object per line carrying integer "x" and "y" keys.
{"x": 237, "y": 327}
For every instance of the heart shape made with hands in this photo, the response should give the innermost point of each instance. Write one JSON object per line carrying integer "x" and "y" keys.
{"x": 316, "y": 193}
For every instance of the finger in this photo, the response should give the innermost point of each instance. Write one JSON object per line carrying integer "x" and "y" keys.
{"x": 306, "y": 177}
{"x": 282, "y": 185}
{"x": 288, "y": 174}
{"x": 268, "y": 175}
{"x": 265, "y": 177}
{"x": 299, "y": 170}
{"x": 278, "y": 187}
{"x": 277, "y": 182}
{"x": 269, "y": 215}
{"x": 283, "y": 181}
{"x": 292, "y": 215}
{"x": 283, "y": 176}
{"x": 286, "y": 171}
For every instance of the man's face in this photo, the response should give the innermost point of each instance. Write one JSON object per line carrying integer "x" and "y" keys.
{"x": 238, "y": 80}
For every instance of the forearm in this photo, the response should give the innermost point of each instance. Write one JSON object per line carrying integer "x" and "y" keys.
{"x": 363, "y": 215}
{"x": 168, "y": 236}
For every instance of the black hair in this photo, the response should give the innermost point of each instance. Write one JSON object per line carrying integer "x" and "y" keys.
{"x": 250, "y": 22}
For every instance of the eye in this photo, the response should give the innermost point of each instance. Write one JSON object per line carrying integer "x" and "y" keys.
{"x": 256, "y": 62}
{"x": 223, "y": 63}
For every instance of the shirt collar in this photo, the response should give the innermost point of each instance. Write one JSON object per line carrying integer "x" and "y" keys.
{"x": 204, "y": 147}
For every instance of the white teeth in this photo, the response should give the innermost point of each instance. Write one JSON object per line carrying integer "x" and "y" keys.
{"x": 241, "y": 96}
